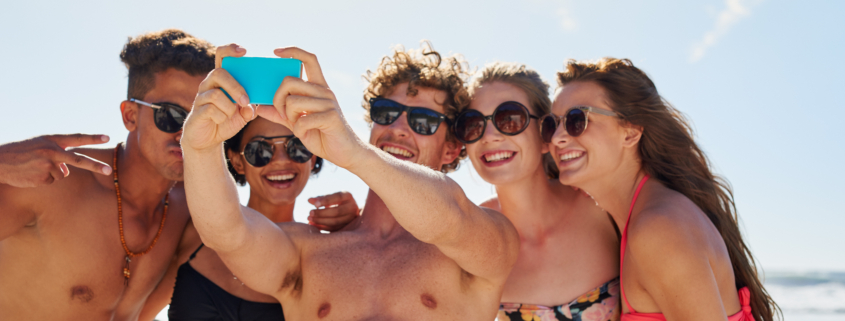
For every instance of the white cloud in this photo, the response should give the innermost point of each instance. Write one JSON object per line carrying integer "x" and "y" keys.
{"x": 567, "y": 21}
{"x": 734, "y": 11}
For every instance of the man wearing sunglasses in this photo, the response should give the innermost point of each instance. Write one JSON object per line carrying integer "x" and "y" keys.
{"x": 420, "y": 250}
{"x": 95, "y": 244}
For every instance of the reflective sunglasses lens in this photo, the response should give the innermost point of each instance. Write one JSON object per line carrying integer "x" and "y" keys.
{"x": 510, "y": 118}
{"x": 576, "y": 122}
{"x": 423, "y": 121}
{"x": 169, "y": 119}
{"x": 469, "y": 126}
{"x": 548, "y": 126}
{"x": 384, "y": 112}
{"x": 258, "y": 153}
{"x": 297, "y": 151}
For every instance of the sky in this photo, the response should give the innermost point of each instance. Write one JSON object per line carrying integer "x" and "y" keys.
{"x": 759, "y": 80}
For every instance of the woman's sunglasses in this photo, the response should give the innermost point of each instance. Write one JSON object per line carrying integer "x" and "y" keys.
{"x": 510, "y": 118}
{"x": 259, "y": 152}
{"x": 168, "y": 117}
{"x": 574, "y": 121}
{"x": 422, "y": 120}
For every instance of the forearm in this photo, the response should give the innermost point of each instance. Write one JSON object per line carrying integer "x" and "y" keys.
{"x": 213, "y": 199}
{"x": 425, "y": 202}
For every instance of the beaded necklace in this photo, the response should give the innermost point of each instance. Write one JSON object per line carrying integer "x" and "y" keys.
{"x": 130, "y": 254}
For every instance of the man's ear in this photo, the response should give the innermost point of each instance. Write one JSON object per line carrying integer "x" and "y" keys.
{"x": 129, "y": 111}
{"x": 451, "y": 151}
{"x": 633, "y": 134}
{"x": 236, "y": 161}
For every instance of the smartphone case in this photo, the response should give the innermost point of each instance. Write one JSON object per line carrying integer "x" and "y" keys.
{"x": 260, "y": 76}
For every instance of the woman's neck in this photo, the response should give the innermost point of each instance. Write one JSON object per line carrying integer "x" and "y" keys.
{"x": 614, "y": 191}
{"x": 533, "y": 203}
{"x": 278, "y": 213}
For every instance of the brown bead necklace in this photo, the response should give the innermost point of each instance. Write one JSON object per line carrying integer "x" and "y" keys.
{"x": 130, "y": 254}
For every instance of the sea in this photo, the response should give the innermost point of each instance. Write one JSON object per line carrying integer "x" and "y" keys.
{"x": 803, "y": 296}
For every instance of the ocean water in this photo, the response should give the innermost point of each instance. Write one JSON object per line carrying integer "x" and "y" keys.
{"x": 803, "y": 296}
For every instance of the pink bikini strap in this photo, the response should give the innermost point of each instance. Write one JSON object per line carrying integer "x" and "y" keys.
{"x": 625, "y": 241}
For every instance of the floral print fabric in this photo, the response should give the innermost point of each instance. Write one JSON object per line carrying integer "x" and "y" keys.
{"x": 600, "y": 304}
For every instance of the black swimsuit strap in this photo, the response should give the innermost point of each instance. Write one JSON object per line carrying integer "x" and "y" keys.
{"x": 195, "y": 252}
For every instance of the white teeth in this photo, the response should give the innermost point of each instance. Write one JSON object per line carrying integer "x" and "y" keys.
{"x": 498, "y": 156}
{"x": 280, "y": 177}
{"x": 397, "y": 151}
{"x": 570, "y": 156}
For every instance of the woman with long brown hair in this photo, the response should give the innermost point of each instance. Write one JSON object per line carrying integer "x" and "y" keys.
{"x": 682, "y": 254}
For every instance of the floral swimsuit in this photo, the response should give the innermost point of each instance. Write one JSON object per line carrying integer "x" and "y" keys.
{"x": 600, "y": 304}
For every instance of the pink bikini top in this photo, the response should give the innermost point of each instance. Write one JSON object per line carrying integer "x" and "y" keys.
{"x": 744, "y": 314}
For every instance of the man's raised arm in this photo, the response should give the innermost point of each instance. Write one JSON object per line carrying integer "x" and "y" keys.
{"x": 253, "y": 247}
{"x": 426, "y": 203}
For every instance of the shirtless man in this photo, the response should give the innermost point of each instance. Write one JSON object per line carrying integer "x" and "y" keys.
{"x": 420, "y": 250}
{"x": 62, "y": 255}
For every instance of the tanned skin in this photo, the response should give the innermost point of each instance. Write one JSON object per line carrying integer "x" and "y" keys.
{"x": 60, "y": 252}
{"x": 420, "y": 250}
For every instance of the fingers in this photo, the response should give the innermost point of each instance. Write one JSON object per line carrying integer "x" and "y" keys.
{"x": 331, "y": 199}
{"x": 270, "y": 113}
{"x": 215, "y": 114}
{"x": 76, "y": 140}
{"x": 293, "y": 86}
{"x": 81, "y": 161}
{"x": 230, "y": 50}
{"x": 314, "y": 121}
{"x": 309, "y": 61}
{"x": 221, "y": 79}
{"x": 334, "y": 218}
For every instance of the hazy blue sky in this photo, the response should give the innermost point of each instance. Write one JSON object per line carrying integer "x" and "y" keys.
{"x": 759, "y": 79}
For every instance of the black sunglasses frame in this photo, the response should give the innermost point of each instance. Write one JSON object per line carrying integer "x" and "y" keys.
{"x": 289, "y": 141}
{"x": 162, "y": 118}
{"x": 491, "y": 117}
{"x": 562, "y": 119}
{"x": 408, "y": 110}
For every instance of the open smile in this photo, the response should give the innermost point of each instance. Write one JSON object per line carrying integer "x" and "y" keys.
{"x": 497, "y": 157}
{"x": 279, "y": 179}
{"x": 397, "y": 151}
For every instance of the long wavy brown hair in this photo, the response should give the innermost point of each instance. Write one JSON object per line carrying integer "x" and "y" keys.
{"x": 669, "y": 154}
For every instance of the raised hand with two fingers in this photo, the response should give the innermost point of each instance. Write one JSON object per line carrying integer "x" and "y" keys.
{"x": 43, "y": 160}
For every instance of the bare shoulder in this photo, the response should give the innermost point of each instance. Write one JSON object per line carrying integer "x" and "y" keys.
{"x": 669, "y": 223}
{"x": 492, "y": 202}
{"x": 297, "y": 230}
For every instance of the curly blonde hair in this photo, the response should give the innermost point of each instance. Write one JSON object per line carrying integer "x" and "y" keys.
{"x": 426, "y": 68}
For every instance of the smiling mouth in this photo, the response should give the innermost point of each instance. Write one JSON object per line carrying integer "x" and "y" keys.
{"x": 280, "y": 179}
{"x": 396, "y": 151}
{"x": 498, "y": 156}
{"x": 571, "y": 155}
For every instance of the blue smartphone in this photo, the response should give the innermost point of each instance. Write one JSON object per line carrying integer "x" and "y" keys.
{"x": 260, "y": 76}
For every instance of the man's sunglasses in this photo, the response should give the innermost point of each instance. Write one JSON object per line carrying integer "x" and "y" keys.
{"x": 168, "y": 117}
{"x": 422, "y": 120}
{"x": 510, "y": 118}
{"x": 574, "y": 121}
{"x": 259, "y": 152}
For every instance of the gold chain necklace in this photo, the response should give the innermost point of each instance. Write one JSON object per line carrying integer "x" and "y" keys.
{"x": 130, "y": 254}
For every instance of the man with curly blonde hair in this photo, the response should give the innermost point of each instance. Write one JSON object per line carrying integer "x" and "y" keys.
{"x": 421, "y": 250}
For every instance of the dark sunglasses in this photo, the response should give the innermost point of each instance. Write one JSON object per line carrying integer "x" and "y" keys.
{"x": 510, "y": 118}
{"x": 422, "y": 120}
{"x": 168, "y": 117}
{"x": 574, "y": 121}
{"x": 259, "y": 153}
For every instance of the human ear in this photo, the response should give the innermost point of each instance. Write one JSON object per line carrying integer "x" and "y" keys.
{"x": 451, "y": 151}
{"x": 633, "y": 134}
{"x": 129, "y": 111}
{"x": 236, "y": 161}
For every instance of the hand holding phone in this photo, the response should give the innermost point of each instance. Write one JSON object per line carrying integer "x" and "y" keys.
{"x": 261, "y": 77}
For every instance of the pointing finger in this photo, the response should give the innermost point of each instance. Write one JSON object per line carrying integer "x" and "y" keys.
{"x": 76, "y": 140}
{"x": 82, "y": 161}
{"x": 230, "y": 50}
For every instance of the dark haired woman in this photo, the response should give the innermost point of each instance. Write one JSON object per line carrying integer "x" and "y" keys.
{"x": 277, "y": 166}
{"x": 568, "y": 261}
{"x": 682, "y": 255}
